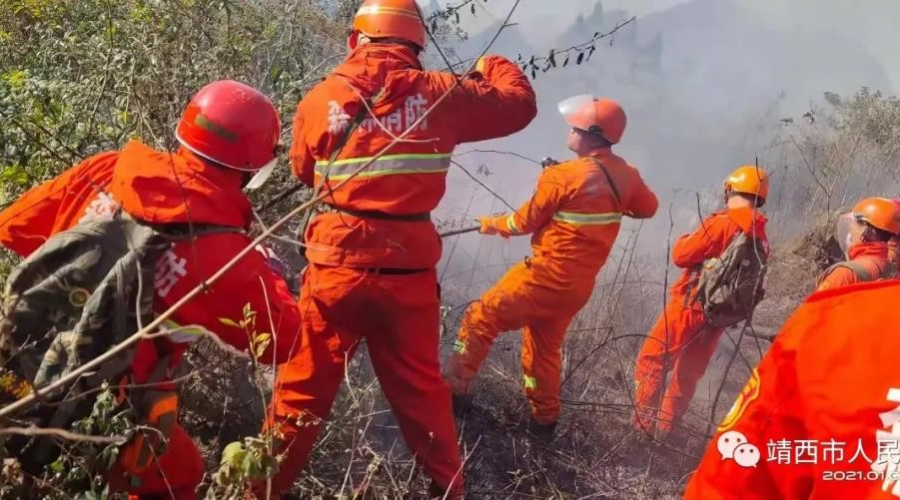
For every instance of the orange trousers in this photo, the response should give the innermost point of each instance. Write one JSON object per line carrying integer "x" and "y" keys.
{"x": 399, "y": 318}
{"x": 521, "y": 299}
{"x": 680, "y": 345}
{"x": 175, "y": 474}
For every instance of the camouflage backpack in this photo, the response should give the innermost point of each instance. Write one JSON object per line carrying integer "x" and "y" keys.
{"x": 729, "y": 286}
{"x": 82, "y": 292}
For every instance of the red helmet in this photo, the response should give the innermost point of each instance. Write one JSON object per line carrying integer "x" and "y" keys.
{"x": 233, "y": 125}
{"x": 390, "y": 19}
{"x": 596, "y": 115}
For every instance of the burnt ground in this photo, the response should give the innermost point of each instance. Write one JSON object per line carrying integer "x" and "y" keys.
{"x": 596, "y": 453}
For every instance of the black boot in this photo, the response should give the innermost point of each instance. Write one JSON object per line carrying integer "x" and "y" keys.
{"x": 439, "y": 493}
{"x": 462, "y": 403}
{"x": 541, "y": 432}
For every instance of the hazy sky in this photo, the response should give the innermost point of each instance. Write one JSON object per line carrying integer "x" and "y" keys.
{"x": 871, "y": 23}
{"x": 707, "y": 114}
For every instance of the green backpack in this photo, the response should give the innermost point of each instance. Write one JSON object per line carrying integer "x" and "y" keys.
{"x": 729, "y": 286}
{"x": 82, "y": 292}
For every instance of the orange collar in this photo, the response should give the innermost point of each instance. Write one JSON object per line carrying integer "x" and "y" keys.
{"x": 877, "y": 249}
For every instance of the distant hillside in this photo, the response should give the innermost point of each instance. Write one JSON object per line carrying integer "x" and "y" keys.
{"x": 717, "y": 45}
{"x": 703, "y": 83}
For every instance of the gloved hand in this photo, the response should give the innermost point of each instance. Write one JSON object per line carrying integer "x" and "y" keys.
{"x": 487, "y": 225}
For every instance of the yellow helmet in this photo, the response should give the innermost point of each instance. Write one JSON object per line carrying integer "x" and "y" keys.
{"x": 748, "y": 179}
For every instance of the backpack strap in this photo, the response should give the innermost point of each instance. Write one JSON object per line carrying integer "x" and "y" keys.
{"x": 357, "y": 121}
{"x": 612, "y": 185}
{"x": 690, "y": 297}
{"x": 889, "y": 271}
{"x": 858, "y": 269}
{"x": 184, "y": 230}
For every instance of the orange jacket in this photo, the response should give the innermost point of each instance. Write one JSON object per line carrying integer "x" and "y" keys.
{"x": 710, "y": 240}
{"x": 873, "y": 256}
{"x": 141, "y": 180}
{"x": 821, "y": 398}
{"x": 495, "y": 101}
{"x": 57, "y": 205}
{"x": 574, "y": 214}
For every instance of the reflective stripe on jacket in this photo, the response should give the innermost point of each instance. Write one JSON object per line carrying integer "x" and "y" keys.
{"x": 575, "y": 216}
{"x": 494, "y": 101}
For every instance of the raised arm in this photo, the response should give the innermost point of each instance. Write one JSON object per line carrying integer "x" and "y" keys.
{"x": 708, "y": 240}
{"x": 495, "y": 100}
{"x": 30, "y": 221}
{"x": 643, "y": 202}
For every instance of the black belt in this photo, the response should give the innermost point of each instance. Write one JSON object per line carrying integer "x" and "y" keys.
{"x": 373, "y": 214}
{"x": 391, "y": 271}
{"x": 380, "y": 270}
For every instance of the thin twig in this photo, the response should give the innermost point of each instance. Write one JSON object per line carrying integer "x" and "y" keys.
{"x": 204, "y": 285}
{"x": 499, "y": 152}
{"x": 489, "y": 190}
{"x": 61, "y": 434}
{"x": 106, "y": 71}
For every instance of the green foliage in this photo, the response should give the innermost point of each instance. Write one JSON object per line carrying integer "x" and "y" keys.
{"x": 97, "y": 73}
{"x": 258, "y": 341}
{"x": 243, "y": 465}
{"x": 79, "y": 470}
{"x": 834, "y": 155}
{"x": 868, "y": 114}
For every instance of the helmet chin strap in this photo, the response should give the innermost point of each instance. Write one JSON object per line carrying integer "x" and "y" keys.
{"x": 353, "y": 41}
{"x": 246, "y": 177}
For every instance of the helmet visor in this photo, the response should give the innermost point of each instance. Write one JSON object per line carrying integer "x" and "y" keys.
{"x": 262, "y": 175}
{"x": 578, "y": 111}
{"x": 842, "y": 231}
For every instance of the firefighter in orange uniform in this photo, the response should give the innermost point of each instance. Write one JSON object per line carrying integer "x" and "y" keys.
{"x": 575, "y": 217}
{"x": 682, "y": 342}
{"x": 373, "y": 248}
{"x": 871, "y": 226}
{"x": 822, "y": 410}
{"x": 229, "y": 137}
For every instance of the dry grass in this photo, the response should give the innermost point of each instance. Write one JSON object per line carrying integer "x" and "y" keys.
{"x": 850, "y": 150}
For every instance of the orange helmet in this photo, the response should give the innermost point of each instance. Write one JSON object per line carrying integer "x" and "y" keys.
{"x": 601, "y": 116}
{"x": 880, "y": 213}
{"x": 233, "y": 125}
{"x": 748, "y": 179}
{"x": 390, "y": 19}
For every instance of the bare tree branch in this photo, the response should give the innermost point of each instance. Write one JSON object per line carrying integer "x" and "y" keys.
{"x": 160, "y": 319}
{"x": 61, "y": 434}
